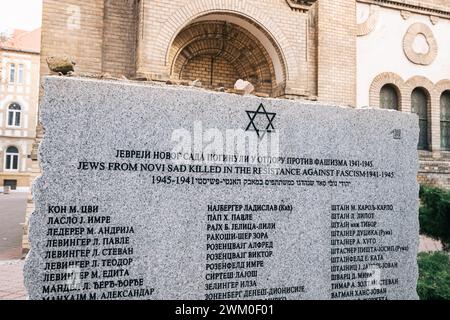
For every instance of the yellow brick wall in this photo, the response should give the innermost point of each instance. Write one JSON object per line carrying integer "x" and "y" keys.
{"x": 236, "y": 52}
{"x": 62, "y": 35}
{"x": 104, "y": 40}
{"x": 223, "y": 74}
{"x": 120, "y": 37}
{"x": 164, "y": 19}
{"x": 125, "y": 36}
{"x": 337, "y": 51}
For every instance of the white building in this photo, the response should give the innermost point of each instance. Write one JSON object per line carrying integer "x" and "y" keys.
{"x": 19, "y": 93}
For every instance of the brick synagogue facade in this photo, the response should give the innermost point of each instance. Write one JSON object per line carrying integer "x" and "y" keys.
{"x": 392, "y": 54}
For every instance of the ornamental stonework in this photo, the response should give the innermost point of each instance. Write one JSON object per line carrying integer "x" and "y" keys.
{"x": 434, "y": 20}
{"x": 428, "y": 52}
{"x": 300, "y": 5}
{"x": 405, "y": 14}
{"x": 369, "y": 25}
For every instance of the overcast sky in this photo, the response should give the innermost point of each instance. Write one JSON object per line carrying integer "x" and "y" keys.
{"x": 20, "y": 14}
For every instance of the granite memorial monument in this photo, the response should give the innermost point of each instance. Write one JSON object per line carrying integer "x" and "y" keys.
{"x": 151, "y": 191}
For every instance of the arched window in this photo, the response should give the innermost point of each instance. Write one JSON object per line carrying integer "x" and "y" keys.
{"x": 419, "y": 105}
{"x": 388, "y": 97}
{"x": 14, "y": 111}
{"x": 445, "y": 121}
{"x": 12, "y": 159}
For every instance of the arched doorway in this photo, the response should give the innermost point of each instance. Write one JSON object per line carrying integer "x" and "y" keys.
{"x": 219, "y": 49}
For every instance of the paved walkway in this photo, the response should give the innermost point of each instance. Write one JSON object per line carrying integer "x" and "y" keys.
{"x": 12, "y": 218}
{"x": 11, "y": 280}
{"x": 427, "y": 244}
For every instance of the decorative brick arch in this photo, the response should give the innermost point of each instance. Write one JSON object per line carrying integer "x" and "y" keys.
{"x": 198, "y": 8}
{"x": 433, "y": 108}
{"x": 226, "y": 45}
{"x": 425, "y": 83}
{"x": 382, "y": 80}
{"x": 369, "y": 25}
{"x": 422, "y": 82}
{"x": 406, "y": 88}
{"x": 441, "y": 86}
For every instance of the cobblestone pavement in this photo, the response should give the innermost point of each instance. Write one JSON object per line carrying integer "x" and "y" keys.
{"x": 11, "y": 280}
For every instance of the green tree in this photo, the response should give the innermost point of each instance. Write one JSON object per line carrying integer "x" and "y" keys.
{"x": 434, "y": 214}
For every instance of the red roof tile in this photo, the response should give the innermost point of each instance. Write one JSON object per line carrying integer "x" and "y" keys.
{"x": 24, "y": 40}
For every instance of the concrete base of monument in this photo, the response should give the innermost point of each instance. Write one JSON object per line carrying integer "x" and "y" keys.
{"x": 169, "y": 192}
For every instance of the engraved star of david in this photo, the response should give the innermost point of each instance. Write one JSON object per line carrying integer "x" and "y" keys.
{"x": 252, "y": 126}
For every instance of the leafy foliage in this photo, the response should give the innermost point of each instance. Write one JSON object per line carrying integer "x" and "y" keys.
{"x": 434, "y": 276}
{"x": 434, "y": 214}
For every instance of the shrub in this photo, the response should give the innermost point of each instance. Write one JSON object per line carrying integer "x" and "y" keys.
{"x": 434, "y": 276}
{"x": 434, "y": 214}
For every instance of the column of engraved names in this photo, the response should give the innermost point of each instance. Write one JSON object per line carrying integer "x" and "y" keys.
{"x": 361, "y": 252}
{"x": 87, "y": 256}
{"x": 239, "y": 246}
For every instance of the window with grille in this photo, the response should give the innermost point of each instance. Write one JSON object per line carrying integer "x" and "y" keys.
{"x": 445, "y": 121}
{"x": 419, "y": 105}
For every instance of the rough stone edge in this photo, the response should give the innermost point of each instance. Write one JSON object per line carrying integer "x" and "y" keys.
{"x": 158, "y": 84}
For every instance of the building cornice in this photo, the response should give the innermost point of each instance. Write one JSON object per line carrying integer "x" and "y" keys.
{"x": 19, "y": 50}
{"x": 412, "y": 6}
